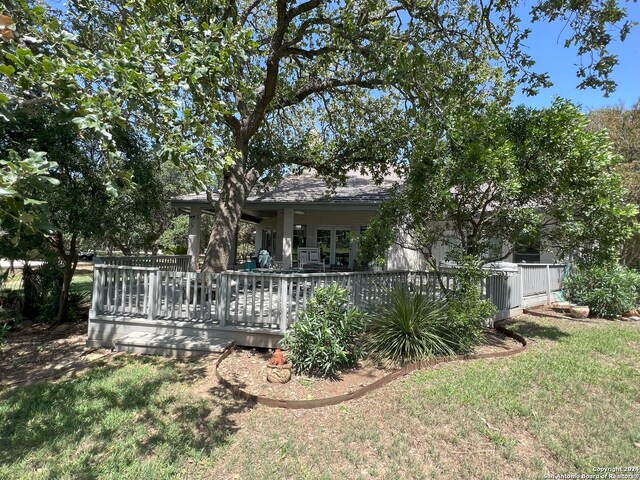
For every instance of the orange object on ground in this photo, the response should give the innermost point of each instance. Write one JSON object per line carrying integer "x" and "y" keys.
{"x": 277, "y": 358}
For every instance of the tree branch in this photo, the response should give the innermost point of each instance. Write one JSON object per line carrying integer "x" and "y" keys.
{"x": 271, "y": 77}
{"x": 247, "y": 12}
{"x": 322, "y": 86}
{"x": 302, "y": 8}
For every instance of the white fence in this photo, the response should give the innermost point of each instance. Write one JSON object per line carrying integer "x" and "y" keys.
{"x": 266, "y": 300}
{"x": 539, "y": 281}
{"x": 178, "y": 263}
{"x": 152, "y": 293}
{"x": 273, "y": 300}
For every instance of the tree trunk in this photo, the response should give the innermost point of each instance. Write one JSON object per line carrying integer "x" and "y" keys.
{"x": 235, "y": 189}
{"x": 70, "y": 262}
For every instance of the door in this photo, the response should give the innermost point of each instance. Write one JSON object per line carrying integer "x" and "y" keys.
{"x": 335, "y": 246}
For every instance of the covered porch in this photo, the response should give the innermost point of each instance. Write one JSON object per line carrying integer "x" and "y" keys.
{"x": 300, "y": 212}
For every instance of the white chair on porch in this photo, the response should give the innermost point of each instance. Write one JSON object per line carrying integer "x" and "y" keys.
{"x": 310, "y": 258}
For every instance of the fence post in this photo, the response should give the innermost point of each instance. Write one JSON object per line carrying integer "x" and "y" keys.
{"x": 222, "y": 290}
{"x": 96, "y": 299}
{"x": 284, "y": 308}
{"x": 152, "y": 294}
{"x": 521, "y": 274}
{"x": 548, "y": 285}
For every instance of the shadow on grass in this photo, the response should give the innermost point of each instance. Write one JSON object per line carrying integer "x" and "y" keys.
{"x": 113, "y": 417}
{"x": 532, "y": 330}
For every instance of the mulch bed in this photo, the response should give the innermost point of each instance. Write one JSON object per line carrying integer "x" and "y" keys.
{"x": 35, "y": 352}
{"x": 247, "y": 369}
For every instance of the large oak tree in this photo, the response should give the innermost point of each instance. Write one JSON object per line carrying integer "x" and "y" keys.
{"x": 251, "y": 89}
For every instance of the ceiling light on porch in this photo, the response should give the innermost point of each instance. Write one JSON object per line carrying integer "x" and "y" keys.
{"x": 298, "y": 212}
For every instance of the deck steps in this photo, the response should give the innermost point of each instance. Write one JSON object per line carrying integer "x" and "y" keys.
{"x": 170, "y": 345}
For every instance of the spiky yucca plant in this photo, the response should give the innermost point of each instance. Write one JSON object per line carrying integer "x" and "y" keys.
{"x": 410, "y": 328}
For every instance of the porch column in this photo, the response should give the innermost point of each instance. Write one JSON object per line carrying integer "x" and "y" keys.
{"x": 287, "y": 238}
{"x": 193, "y": 247}
{"x": 258, "y": 239}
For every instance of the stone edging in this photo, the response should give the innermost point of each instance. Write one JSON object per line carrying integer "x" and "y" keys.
{"x": 323, "y": 402}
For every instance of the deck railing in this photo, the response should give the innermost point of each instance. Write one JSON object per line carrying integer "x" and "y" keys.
{"x": 177, "y": 263}
{"x": 540, "y": 279}
{"x": 274, "y": 300}
{"x": 248, "y": 299}
{"x": 153, "y": 293}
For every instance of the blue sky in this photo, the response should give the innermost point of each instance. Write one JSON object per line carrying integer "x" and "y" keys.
{"x": 546, "y": 46}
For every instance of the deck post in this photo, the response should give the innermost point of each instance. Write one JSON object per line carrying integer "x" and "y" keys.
{"x": 96, "y": 298}
{"x": 222, "y": 297}
{"x": 521, "y": 274}
{"x": 284, "y": 308}
{"x": 548, "y": 285}
{"x": 193, "y": 247}
{"x": 152, "y": 294}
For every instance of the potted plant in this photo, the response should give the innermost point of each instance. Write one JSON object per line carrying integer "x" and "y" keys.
{"x": 377, "y": 264}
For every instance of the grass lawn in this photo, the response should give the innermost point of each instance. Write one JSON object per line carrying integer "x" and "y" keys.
{"x": 568, "y": 404}
{"x": 82, "y": 281}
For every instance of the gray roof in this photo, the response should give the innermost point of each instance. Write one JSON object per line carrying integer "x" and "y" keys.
{"x": 309, "y": 189}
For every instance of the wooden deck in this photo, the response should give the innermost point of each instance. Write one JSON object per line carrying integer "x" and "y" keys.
{"x": 264, "y": 303}
{"x": 256, "y": 308}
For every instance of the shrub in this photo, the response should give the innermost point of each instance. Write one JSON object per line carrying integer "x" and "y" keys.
{"x": 413, "y": 327}
{"x": 466, "y": 313}
{"x": 608, "y": 290}
{"x": 42, "y": 286}
{"x": 409, "y": 328}
{"x": 327, "y": 334}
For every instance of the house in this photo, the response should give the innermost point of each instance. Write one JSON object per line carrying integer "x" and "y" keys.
{"x": 301, "y": 211}
{"x": 161, "y": 304}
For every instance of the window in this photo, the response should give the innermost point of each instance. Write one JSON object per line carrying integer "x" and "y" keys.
{"x": 526, "y": 254}
{"x": 335, "y": 245}
{"x": 342, "y": 247}
{"x": 299, "y": 239}
{"x": 323, "y": 242}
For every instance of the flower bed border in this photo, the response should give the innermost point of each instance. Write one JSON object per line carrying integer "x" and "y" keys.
{"x": 323, "y": 402}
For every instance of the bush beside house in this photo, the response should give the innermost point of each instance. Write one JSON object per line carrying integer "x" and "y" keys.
{"x": 327, "y": 334}
{"x": 608, "y": 290}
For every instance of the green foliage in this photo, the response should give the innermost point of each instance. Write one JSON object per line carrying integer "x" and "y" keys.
{"x": 42, "y": 287}
{"x": 138, "y": 216}
{"x": 334, "y": 90}
{"x": 4, "y": 331}
{"x": 23, "y": 182}
{"x": 467, "y": 308}
{"x": 415, "y": 327}
{"x": 466, "y": 313}
{"x": 608, "y": 290}
{"x": 412, "y": 327}
{"x": 327, "y": 334}
{"x": 504, "y": 177}
{"x": 374, "y": 242}
{"x": 622, "y": 126}
{"x": 175, "y": 238}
